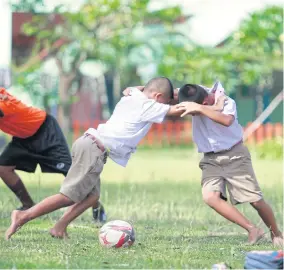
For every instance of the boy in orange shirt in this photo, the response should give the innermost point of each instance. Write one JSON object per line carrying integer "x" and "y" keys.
{"x": 37, "y": 139}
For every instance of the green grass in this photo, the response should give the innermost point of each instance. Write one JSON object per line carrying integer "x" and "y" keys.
{"x": 159, "y": 192}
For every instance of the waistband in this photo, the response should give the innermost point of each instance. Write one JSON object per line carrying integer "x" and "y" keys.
{"x": 97, "y": 142}
{"x": 223, "y": 151}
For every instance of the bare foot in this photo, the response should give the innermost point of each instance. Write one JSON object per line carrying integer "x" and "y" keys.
{"x": 255, "y": 234}
{"x": 277, "y": 240}
{"x": 17, "y": 220}
{"x": 58, "y": 233}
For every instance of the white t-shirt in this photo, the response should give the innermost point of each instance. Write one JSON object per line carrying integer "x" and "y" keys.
{"x": 132, "y": 118}
{"x": 214, "y": 137}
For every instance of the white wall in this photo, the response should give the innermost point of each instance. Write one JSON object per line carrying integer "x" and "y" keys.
{"x": 5, "y": 43}
{"x": 5, "y": 34}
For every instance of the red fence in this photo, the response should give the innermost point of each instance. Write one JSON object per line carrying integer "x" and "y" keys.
{"x": 179, "y": 132}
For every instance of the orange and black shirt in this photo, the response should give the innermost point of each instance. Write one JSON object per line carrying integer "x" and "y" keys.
{"x": 19, "y": 120}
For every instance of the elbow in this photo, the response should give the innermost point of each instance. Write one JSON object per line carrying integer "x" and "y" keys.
{"x": 228, "y": 122}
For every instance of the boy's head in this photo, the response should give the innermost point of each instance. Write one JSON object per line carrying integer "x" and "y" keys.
{"x": 195, "y": 93}
{"x": 160, "y": 89}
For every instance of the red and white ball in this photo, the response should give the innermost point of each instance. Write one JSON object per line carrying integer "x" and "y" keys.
{"x": 117, "y": 234}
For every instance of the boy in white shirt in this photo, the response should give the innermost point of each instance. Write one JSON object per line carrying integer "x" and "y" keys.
{"x": 226, "y": 161}
{"x": 117, "y": 138}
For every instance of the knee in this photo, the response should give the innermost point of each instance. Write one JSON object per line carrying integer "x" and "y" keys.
{"x": 94, "y": 200}
{"x": 6, "y": 170}
{"x": 257, "y": 205}
{"x": 211, "y": 198}
{"x": 97, "y": 200}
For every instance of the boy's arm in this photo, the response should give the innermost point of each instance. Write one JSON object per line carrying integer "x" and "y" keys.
{"x": 216, "y": 116}
{"x": 213, "y": 114}
{"x": 181, "y": 110}
{"x": 156, "y": 112}
{"x": 174, "y": 111}
{"x": 192, "y": 107}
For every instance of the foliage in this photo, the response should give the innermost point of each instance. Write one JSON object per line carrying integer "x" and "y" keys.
{"x": 270, "y": 149}
{"x": 32, "y": 6}
{"x": 260, "y": 42}
{"x": 248, "y": 57}
{"x": 199, "y": 65}
{"x": 42, "y": 88}
{"x": 101, "y": 30}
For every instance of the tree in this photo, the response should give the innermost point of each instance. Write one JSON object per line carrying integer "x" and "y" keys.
{"x": 247, "y": 57}
{"x": 260, "y": 39}
{"x": 42, "y": 88}
{"x": 32, "y": 6}
{"x": 101, "y": 30}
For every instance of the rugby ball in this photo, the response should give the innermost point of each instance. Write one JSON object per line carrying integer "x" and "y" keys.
{"x": 117, "y": 233}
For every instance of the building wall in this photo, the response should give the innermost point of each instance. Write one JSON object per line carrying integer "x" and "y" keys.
{"x": 246, "y": 111}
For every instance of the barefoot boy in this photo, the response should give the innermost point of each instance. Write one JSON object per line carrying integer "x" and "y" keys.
{"x": 118, "y": 138}
{"x": 226, "y": 161}
{"x": 37, "y": 139}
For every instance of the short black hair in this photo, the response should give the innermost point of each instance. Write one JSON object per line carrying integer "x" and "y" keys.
{"x": 193, "y": 93}
{"x": 163, "y": 84}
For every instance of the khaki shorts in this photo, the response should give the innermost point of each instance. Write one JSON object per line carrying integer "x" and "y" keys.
{"x": 83, "y": 178}
{"x": 232, "y": 169}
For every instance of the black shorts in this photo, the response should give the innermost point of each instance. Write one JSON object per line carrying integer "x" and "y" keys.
{"x": 47, "y": 147}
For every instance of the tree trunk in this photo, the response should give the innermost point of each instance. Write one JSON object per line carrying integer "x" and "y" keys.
{"x": 109, "y": 90}
{"x": 65, "y": 83}
{"x": 116, "y": 86}
{"x": 113, "y": 87}
{"x": 46, "y": 103}
{"x": 259, "y": 100}
{"x": 64, "y": 106}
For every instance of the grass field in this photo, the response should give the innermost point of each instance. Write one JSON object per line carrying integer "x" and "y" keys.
{"x": 159, "y": 192}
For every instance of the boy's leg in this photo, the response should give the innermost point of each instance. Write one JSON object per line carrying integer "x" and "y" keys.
{"x": 243, "y": 186}
{"x": 266, "y": 214}
{"x": 16, "y": 155}
{"x": 214, "y": 189}
{"x": 15, "y": 184}
{"x": 60, "y": 228}
{"x": 50, "y": 204}
{"x": 56, "y": 158}
{"x": 83, "y": 179}
{"x": 214, "y": 200}
{"x": 99, "y": 214}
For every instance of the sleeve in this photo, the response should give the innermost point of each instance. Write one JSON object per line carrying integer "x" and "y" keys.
{"x": 154, "y": 111}
{"x": 230, "y": 108}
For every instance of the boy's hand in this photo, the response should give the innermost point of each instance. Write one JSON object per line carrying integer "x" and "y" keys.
{"x": 188, "y": 108}
{"x": 219, "y": 105}
{"x": 127, "y": 92}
